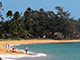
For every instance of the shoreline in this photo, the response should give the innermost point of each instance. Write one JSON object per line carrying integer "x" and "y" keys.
{"x": 19, "y": 42}
{"x": 33, "y": 41}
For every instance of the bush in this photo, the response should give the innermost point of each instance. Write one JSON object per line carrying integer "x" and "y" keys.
{"x": 16, "y": 38}
{"x": 2, "y": 37}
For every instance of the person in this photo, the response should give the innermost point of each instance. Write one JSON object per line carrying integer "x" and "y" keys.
{"x": 26, "y": 49}
{"x": 8, "y": 46}
{"x": 13, "y": 49}
{"x": 3, "y": 45}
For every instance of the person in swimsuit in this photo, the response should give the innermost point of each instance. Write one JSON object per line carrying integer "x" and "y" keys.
{"x": 13, "y": 49}
{"x": 26, "y": 49}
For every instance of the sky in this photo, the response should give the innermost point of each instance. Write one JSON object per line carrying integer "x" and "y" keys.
{"x": 21, "y": 5}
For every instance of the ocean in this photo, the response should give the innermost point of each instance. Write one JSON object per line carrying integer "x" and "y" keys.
{"x": 53, "y": 51}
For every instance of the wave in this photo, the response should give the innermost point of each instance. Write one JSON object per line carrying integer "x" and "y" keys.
{"x": 13, "y": 57}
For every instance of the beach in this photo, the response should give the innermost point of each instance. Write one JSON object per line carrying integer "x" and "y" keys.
{"x": 4, "y": 54}
{"x": 33, "y": 41}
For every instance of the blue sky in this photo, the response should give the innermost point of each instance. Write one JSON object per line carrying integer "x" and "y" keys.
{"x": 21, "y": 5}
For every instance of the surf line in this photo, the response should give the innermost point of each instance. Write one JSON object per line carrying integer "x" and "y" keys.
{"x": 30, "y": 54}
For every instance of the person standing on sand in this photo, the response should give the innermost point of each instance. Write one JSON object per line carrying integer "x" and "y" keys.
{"x": 8, "y": 46}
{"x": 26, "y": 49}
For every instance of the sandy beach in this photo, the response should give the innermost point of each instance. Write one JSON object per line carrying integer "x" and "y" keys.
{"x": 33, "y": 41}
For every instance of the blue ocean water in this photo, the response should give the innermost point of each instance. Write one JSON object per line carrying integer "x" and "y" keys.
{"x": 54, "y": 51}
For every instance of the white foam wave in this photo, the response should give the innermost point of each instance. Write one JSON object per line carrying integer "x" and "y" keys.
{"x": 31, "y": 54}
{"x": 13, "y": 57}
{"x": 20, "y": 56}
{"x": 14, "y": 45}
{"x": 8, "y": 59}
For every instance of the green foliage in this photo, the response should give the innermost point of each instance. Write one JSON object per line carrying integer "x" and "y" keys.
{"x": 36, "y": 24}
{"x": 9, "y": 14}
{"x": 16, "y": 38}
{"x": 16, "y": 15}
{"x": 3, "y": 37}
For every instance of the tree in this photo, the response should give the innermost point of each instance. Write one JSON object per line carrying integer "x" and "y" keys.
{"x": 40, "y": 23}
{"x": 61, "y": 13}
{"x": 16, "y": 15}
{"x": 9, "y": 14}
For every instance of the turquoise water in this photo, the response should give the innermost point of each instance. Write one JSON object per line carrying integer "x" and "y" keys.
{"x": 55, "y": 51}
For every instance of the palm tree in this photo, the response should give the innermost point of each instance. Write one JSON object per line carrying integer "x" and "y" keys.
{"x": 9, "y": 14}
{"x": 16, "y": 15}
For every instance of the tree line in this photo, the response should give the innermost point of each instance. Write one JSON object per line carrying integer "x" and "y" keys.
{"x": 36, "y": 24}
